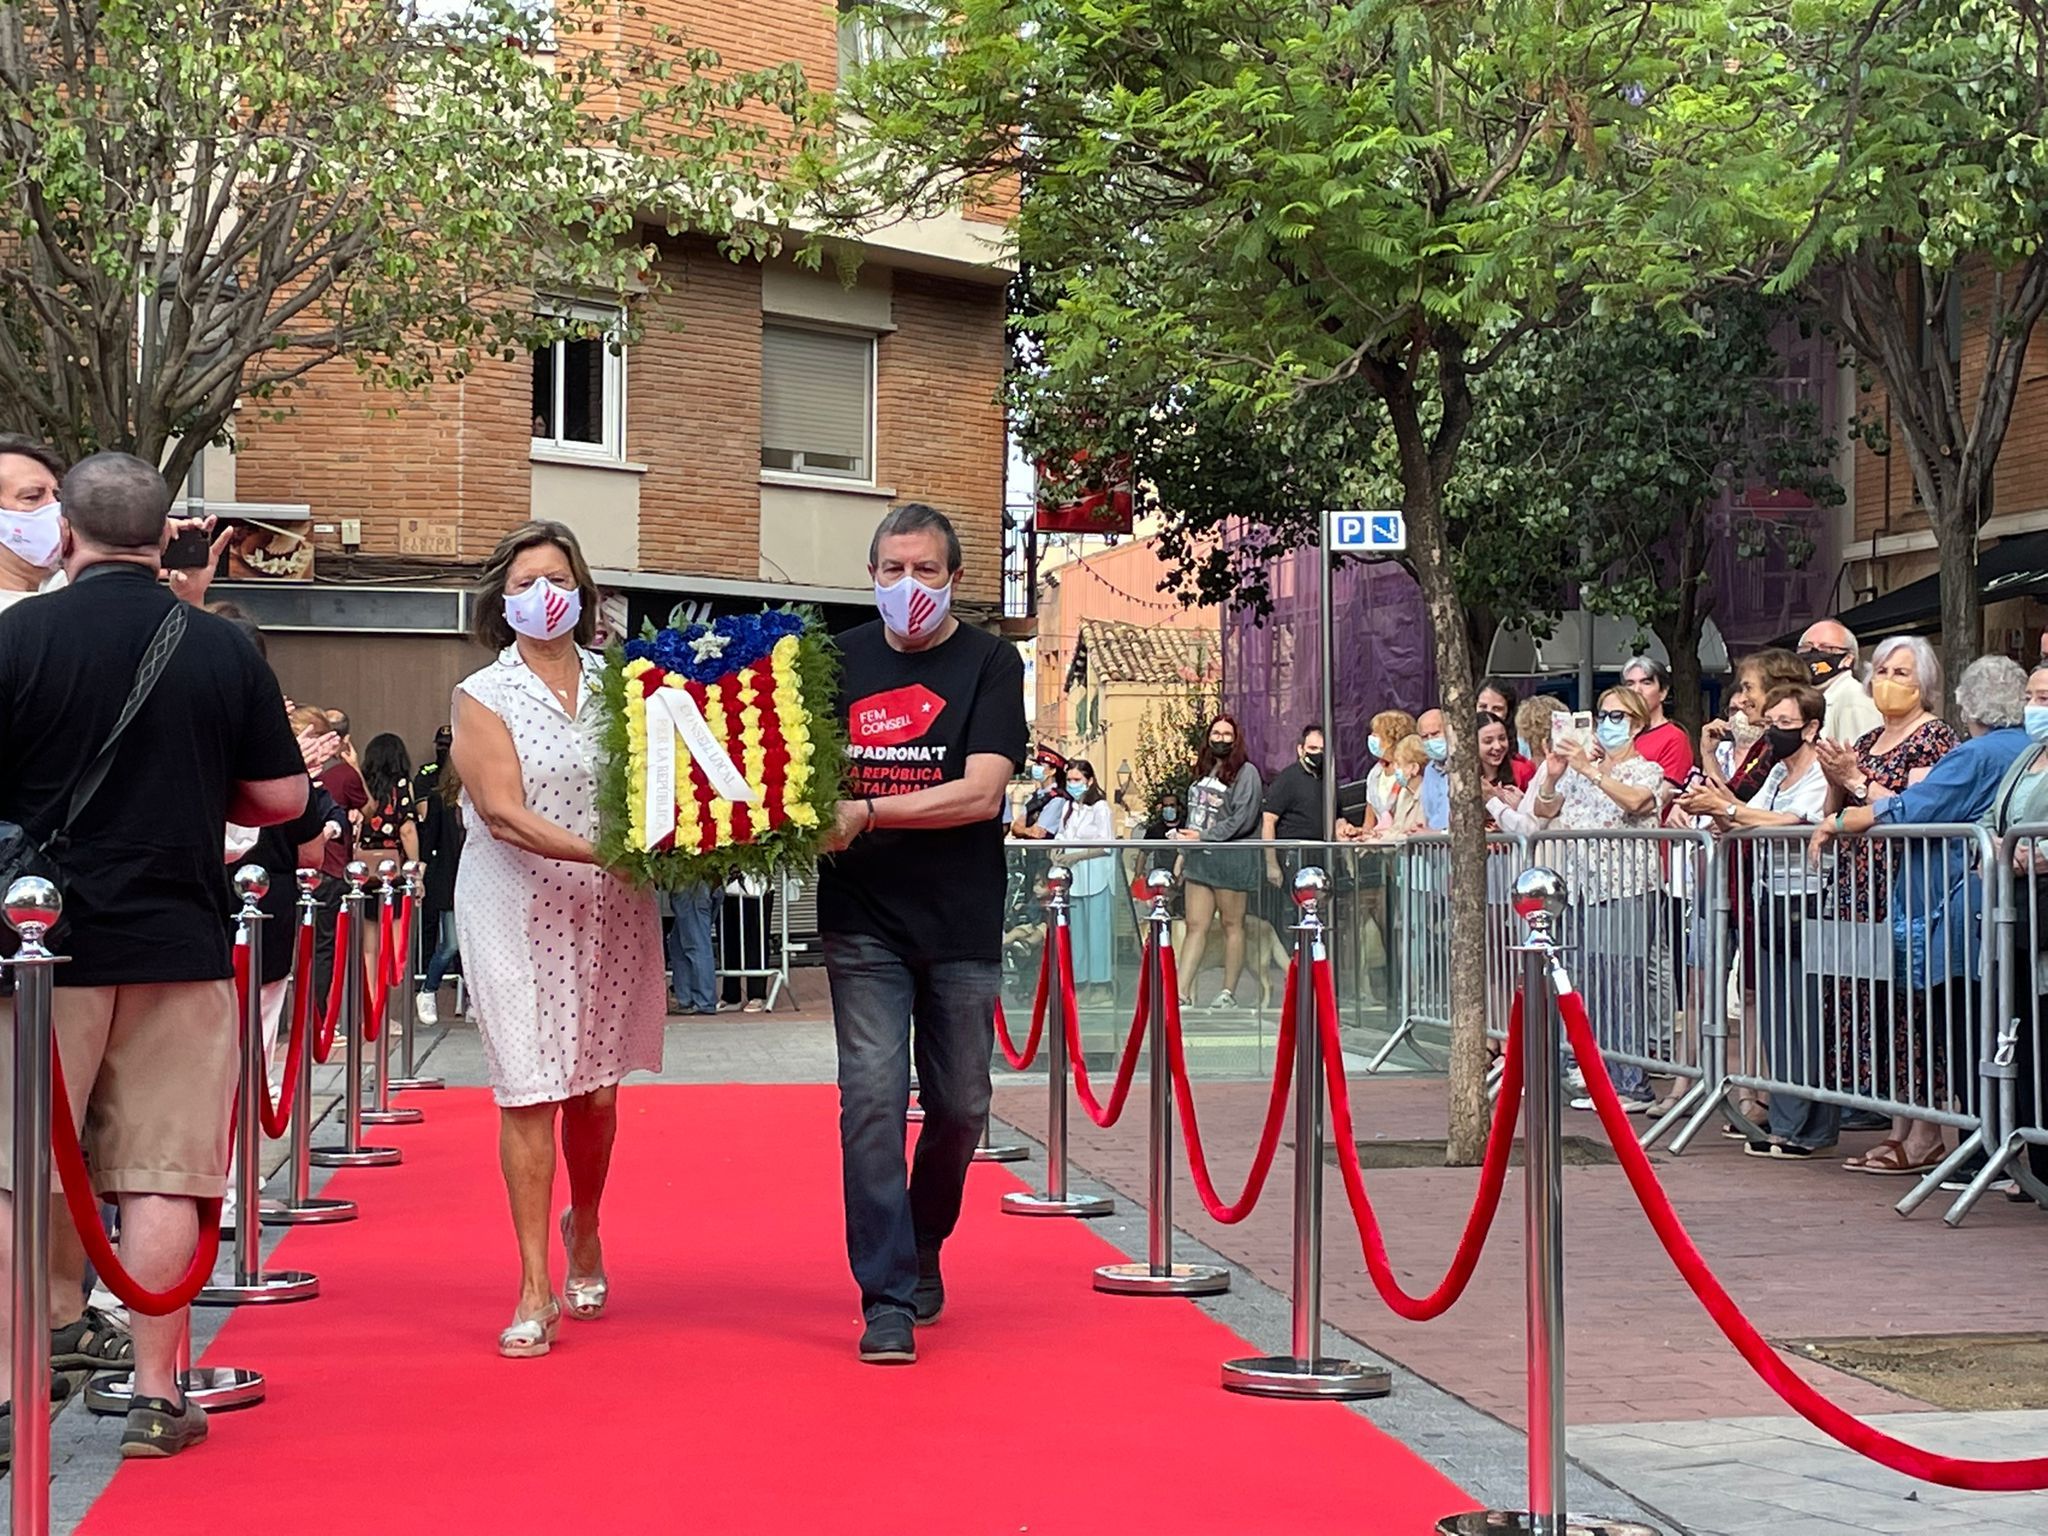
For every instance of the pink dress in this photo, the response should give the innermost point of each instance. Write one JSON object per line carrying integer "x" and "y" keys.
{"x": 563, "y": 961}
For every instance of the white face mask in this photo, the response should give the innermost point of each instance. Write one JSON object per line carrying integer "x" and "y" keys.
{"x": 543, "y": 611}
{"x": 33, "y": 536}
{"x": 912, "y": 609}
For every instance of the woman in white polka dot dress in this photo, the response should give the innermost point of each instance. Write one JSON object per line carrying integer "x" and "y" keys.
{"x": 562, "y": 960}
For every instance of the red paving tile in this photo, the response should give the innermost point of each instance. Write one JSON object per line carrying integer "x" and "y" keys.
{"x": 1809, "y": 1250}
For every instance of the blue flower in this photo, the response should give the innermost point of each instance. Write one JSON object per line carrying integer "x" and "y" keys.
{"x": 749, "y": 637}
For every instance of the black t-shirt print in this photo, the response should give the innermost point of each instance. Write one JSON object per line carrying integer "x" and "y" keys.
{"x": 145, "y": 893}
{"x": 1295, "y": 802}
{"x": 912, "y": 720}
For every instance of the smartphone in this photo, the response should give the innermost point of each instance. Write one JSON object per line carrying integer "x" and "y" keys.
{"x": 1572, "y": 730}
{"x": 190, "y": 549}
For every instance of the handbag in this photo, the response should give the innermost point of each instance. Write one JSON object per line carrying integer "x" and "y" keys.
{"x": 21, "y": 852}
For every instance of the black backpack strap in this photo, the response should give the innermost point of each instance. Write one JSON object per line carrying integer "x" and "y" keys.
{"x": 147, "y": 671}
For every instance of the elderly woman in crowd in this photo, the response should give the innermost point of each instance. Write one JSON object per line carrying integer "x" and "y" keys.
{"x": 1588, "y": 787}
{"x": 1935, "y": 897}
{"x": 1905, "y": 685}
{"x": 1733, "y": 754}
{"x": 1794, "y": 793}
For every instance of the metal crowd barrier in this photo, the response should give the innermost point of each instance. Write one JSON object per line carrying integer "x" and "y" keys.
{"x": 2016, "y": 1057}
{"x": 762, "y": 940}
{"x": 1421, "y": 887}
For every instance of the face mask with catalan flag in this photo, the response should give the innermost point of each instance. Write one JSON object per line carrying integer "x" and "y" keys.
{"x": 543, "y": 611}
{"x": 912, "y": 609}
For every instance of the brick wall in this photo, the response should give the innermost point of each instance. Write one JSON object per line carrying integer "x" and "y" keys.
{"x": 1885, "y": 502}
{"x": 693, "y": 416}
{"x": 693, "y": 394}
{"x": 939, "y": 419}
{"x": 457, "y": 453}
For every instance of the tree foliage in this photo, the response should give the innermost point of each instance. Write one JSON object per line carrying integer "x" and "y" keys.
{"x": 1928, "y": 122}
{"x": 210, "y": 198}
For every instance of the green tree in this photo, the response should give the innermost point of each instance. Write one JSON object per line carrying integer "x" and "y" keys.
{"x": 1265, "y": 202}
{"x": 209, "y": 199}
{"x": 1554, "y": 487}
{"x": 1927, "y": 230}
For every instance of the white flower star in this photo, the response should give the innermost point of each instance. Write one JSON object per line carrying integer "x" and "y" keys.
{"x": 708, "y": 646}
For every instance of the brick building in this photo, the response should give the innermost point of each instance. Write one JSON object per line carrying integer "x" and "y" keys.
{"x": 738, "y": 453}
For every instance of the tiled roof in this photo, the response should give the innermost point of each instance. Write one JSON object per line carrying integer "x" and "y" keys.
{"x": 1141, "y": 653}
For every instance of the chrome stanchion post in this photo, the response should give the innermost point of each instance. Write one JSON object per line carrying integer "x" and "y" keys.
{"x": 252, "y": 884}
{"x": 381, "y": 1111}
{"x": 1540, "y": 900}
{"x": 990, "y": 1151}
{"x": 914, "y": 1115}
{"x": 1307, "y": 1373}
{"x": 1159, "y": 1275}
{"x": 1056, "y": 1201}
{"x": 33, "y": 907}
{"x": 302, "y": 1208}
{"x": 415, "y": 946}
{"x": 351, "y": 1153}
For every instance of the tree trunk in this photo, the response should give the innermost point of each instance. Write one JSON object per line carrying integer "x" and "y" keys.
{"x": 1683, "y": 632}
{"x": 1962, "y": 608}
{"x": 1459, "y": 694}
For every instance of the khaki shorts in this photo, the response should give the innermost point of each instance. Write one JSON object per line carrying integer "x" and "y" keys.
{"x": 152, "y": 1071}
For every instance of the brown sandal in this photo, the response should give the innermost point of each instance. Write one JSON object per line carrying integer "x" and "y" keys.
{"x": 1887, "y": 1159}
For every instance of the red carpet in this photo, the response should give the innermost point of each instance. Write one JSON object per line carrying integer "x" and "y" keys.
{"x": 721, "y": 1395}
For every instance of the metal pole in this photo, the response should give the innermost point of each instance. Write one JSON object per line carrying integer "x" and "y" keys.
{"x": 415, "y": 945}
{"x": 991, "y": 1151}
{"x": 1540, "y": 899}
{"x": 1056, "y": 1201}
{"x": 1159, "y": 1275}
{"x": 302, "y": 1208}
{"x": 1332, "y": 761}
{"x": 33, "y": 907}
{"x": 381, "y": 1111}
{"x": 351, "y": 1153}
{"x": 1306, "y": 1373}
{"x": 252, "y": 884}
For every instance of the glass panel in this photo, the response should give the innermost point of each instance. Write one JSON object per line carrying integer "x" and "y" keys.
{"x": 583, "y": 373}
{"x": 544, "y": 393}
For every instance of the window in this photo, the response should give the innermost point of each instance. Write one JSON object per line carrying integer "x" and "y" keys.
{"x": 817, "y": 402}
{"x": 528, "y": 22}
{"x": 873, "y": 30}
{"x": 579, "y": 388}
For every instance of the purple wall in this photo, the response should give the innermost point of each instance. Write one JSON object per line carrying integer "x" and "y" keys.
{"x": 1272, "y": 672}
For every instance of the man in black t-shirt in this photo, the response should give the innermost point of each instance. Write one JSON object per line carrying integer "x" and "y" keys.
{"x": 1293, "y": 813}
{"x": 144, "y": 1013}
{"x": 911, "y": 912}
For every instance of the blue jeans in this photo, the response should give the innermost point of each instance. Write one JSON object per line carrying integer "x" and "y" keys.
{"x": 692, "y": 968}
{"x": 443, "y": 958}
{"x": 878, "y": 998}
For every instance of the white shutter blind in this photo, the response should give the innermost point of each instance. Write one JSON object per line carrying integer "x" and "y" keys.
{"x": 816, "y": 400}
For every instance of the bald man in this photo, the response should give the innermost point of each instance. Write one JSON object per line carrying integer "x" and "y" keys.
{"x": 1830, "y": 654}
{"x": 1436, "y": 783}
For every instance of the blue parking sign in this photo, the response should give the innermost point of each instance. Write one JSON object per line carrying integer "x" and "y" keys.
{"x": 1368, "y": 533}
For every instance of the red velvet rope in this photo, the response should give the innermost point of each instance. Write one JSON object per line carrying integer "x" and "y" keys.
{"x": 1120, "y": 1091}
{"x": 1799, "y": 1394}
{"x": 1232, "y": 1212}
{"x": 398, "y": 953}
{"x": 1493, "y": 1170}
{"x": 1017, "y": 1059}
{"x": 277, "y": 1115}
{"x": 331, "y": 1018}
{"x": 377, "y": 979}
{"x": 69, "y": 1159}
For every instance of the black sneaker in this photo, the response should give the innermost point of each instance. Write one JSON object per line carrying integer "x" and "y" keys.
{"x": 158, "y": 1428}
{"x": 890, "y": 1338}
{"x": 929, "y": 1299}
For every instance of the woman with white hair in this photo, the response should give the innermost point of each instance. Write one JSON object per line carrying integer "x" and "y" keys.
{"x": 1935, "y": 899}
{"x": 1868, "y": 1025}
